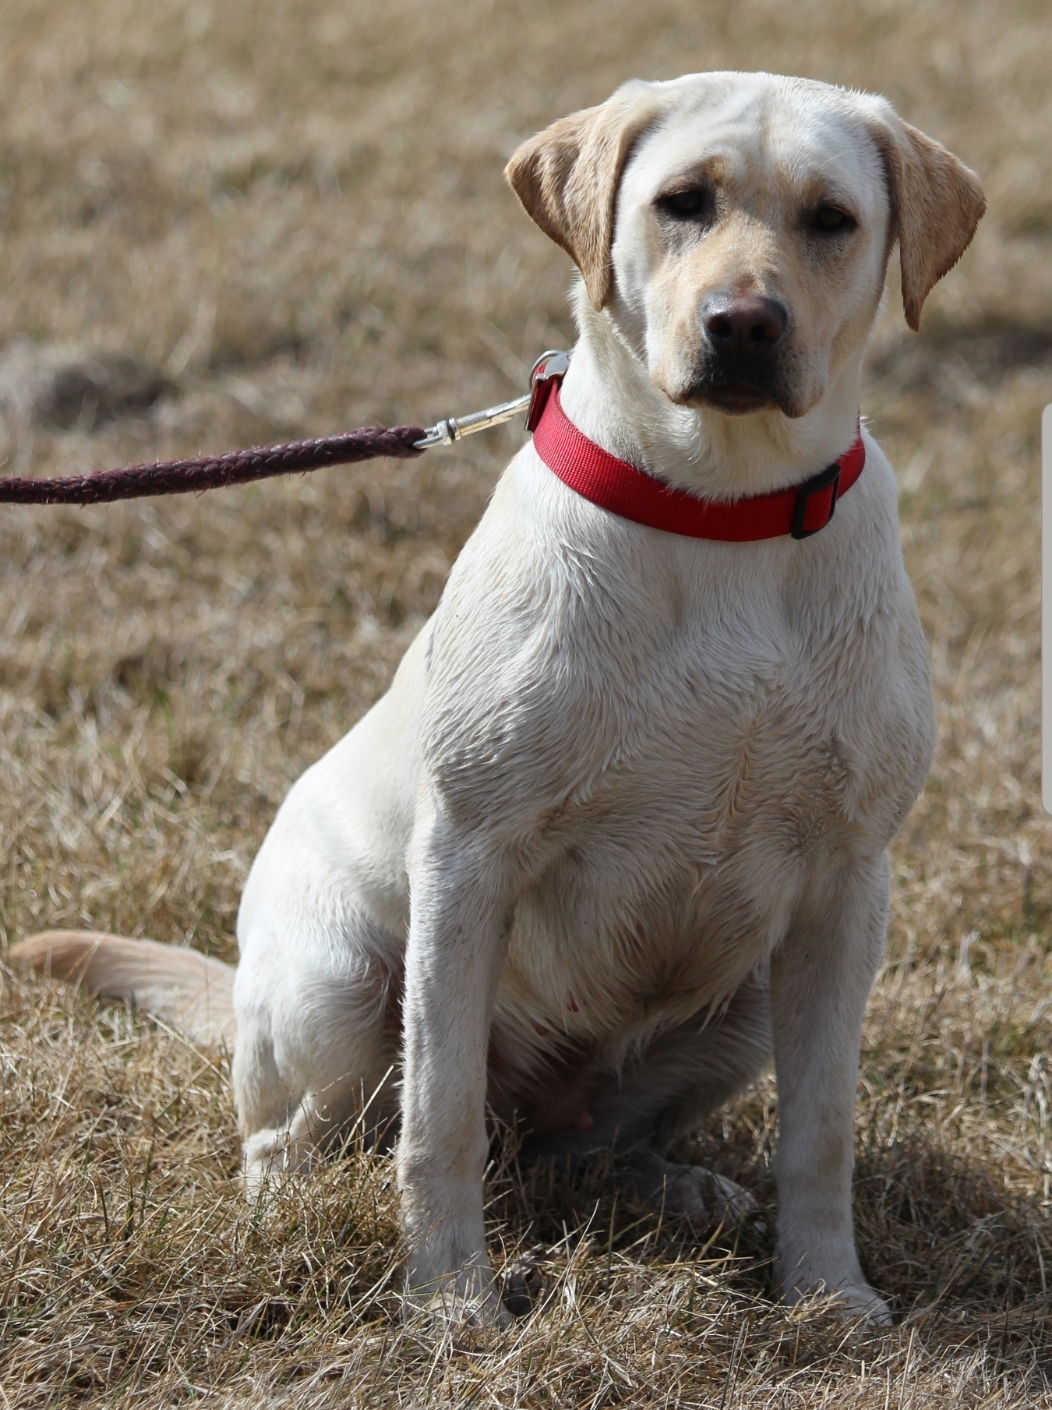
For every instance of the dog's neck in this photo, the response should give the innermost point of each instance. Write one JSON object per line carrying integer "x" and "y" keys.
{"x": 608, "y": 395}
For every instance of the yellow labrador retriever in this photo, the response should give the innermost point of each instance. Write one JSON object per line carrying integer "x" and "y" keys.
{"x": 617, "y": 832}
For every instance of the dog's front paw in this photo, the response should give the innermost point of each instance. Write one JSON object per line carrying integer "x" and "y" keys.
{"x": 855, "y": 1301}
{"x": 468, "y": 1297}
{"x": 860, "y": 1301}
{"x": 456, "y": 1306}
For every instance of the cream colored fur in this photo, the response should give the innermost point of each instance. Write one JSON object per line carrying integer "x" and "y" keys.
{"x": 618, "y": 830}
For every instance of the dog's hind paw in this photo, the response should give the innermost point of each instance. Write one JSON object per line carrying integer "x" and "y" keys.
{"x": 699, "y": 1195}
{"x": 704, "y": 1197}
{"x": 523, "y": 1284}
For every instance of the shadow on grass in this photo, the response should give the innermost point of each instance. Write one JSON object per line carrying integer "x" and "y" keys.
{"x": 963, "y": 1262}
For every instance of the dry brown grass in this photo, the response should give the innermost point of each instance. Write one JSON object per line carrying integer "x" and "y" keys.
{"x": 290, "y": 219}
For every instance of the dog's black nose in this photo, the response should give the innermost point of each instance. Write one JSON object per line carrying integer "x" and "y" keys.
{"x": 743, "y": 322}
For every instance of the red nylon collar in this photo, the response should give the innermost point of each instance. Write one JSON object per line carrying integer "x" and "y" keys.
{"x": 612, "y": 484}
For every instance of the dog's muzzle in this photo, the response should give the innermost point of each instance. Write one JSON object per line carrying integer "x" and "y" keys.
{"x": 740, "y": 367}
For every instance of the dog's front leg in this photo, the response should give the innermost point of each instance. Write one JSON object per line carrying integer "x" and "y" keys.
{"x": 820, "y": 981}
{"x": 456, "y": 946}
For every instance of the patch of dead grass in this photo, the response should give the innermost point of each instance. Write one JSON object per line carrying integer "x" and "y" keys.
{"x": 290, "y": 220}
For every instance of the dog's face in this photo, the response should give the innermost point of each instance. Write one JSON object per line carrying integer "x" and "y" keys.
{"x": 750, "y": 246}
{"x": 737, "y": 227}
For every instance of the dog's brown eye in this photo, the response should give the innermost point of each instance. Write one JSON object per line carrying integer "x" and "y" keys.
{"x": 829, "y": 219}
{"x": 687, "y": 205}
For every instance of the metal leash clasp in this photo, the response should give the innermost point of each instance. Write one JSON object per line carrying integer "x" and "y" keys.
{"x": 549, "y": 369}
{"x": 454, "y": 428}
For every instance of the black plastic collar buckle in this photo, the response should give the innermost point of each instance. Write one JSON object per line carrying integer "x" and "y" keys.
{"x": 829, "y": 476}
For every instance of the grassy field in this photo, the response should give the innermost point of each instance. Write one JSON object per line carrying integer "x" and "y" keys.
{"x": 238, "y": 223}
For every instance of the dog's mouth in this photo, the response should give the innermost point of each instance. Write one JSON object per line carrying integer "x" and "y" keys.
{"x": 736, "y": 391}
{"x": 736, "y": 386}
{"x": 734, "y": 398}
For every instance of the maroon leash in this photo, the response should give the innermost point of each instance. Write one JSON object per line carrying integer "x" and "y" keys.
{"x": 239, "y": 467}
{"x": 211, "y": 472}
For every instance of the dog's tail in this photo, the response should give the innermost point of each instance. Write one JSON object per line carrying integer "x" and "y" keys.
{"x": 191, "y": 991}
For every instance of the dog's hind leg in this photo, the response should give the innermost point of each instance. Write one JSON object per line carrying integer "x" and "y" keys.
{"x": 677, "y": 1081}
{"x": 316, "y": 1050}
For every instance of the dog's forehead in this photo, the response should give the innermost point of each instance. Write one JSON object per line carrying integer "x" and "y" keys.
{"x": 760, "y": 130}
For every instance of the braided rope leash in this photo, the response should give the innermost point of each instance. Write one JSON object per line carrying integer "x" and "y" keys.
{"x": 240, "y": 467}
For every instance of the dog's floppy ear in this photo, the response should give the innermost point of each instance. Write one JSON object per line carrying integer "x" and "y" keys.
{"x": 937, "y": 203}
{"x": 567, "y": 178}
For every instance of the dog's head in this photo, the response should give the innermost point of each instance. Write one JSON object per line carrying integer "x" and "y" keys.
{"x": 737, "y": 227}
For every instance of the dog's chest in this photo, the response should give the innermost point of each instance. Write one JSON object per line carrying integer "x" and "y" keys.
{"x": 676, "y": 867}
{"x": 723, "y": 770}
